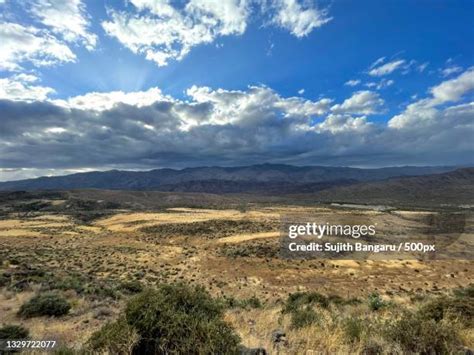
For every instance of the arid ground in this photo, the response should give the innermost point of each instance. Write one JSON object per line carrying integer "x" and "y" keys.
{"x": 100, "y": 263}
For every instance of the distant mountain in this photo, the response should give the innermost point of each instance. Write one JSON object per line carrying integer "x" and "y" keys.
{"x": 451, "y": 188}
{"x": 265, "y": 178}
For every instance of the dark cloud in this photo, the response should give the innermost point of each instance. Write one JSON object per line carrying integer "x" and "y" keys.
{"x": 228, "y": 128}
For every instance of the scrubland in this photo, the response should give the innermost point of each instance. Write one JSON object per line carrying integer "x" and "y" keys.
{"x": 82, "y": 281}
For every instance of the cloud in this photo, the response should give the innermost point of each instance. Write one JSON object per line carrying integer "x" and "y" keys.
{"x": 425, "y": 112}
{"x": 382, "y": 84}
{"x": 352, "y": 82}
{"x": 451, "y": 70}
{"x": 363, "y": 102}
{"x": 148, "y": 129}
{"x": 298, "y": 18}
{"x": 67, "y": 19}
{"x": 379, "y": 69}
{"x": 21, "y": 87}
{"x": 100, "y": 101}
{"x": 28, "y": 44}
{"x": 163, "y": 32}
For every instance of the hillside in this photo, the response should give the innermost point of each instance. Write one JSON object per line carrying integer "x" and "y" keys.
{"x": 265, "y": 178}
{"x": 451, "y": 188}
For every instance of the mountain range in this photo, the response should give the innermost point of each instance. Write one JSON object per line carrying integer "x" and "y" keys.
{"x": 264, "y": 178}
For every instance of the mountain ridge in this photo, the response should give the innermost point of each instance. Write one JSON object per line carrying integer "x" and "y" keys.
{"x": 170, "y": 179}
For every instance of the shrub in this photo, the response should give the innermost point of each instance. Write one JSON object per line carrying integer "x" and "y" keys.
{"x": 303, "y": 317}
{"x": 45, "y": 305}
{"x": 449, "y": 308}
{"x": 465, "y": 291}
{"x": 132, "y": 286}
{"x": 375, "y": 301}
{"x": 116, "y": 338}
{"x": 296, "y": 300}
{"x": 173, "y": 319}
{"x": 353, "y": 328}
{"x": 13, "y": 332}
{"x": 416, "y": 334}
{"x": 251, "y": 302}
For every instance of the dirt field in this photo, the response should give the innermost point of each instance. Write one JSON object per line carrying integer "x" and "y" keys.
{"x": 229, "y": 252}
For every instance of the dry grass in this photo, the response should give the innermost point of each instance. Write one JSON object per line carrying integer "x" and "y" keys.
{"x": 115, "y": 249}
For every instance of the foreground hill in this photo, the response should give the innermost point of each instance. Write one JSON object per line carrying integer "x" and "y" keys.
{"x": 266, "y": 178}
{"x": 451, "y": 188}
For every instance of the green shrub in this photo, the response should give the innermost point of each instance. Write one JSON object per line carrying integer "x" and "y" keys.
{"x": 252, "y": 302}
{"x": 296, "y": 300}
{"x": 303, "y": 317}
{"x": 247, "y": 303}
{"x": 353, "y": 328}
{"x": 132, "y": 286}
{"x": 465, "y": 291}
{"x": 173, "y": 319}
{"x": 13, "y": 332}
{"x": 375, "y": 301}
{"x": 449, "y": 308}
{"x": 416, "y": 334}
{"x": 45, "y": 305}
{"x": 116, "y": 338}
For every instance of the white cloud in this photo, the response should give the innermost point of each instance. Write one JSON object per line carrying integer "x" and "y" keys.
{"x": 363, "y": 102}
{"x": 336, "y": 123}
{"x": 352, "y": 82}
{"x": 162, "y": 32}
{"x": 421, "y": 68}
{"x": 382, "y": 84}
{"x": 28, "y": 44}
{"x": 301, "y": 91}
{"x": 451, "y": 70}
{"x": 298, "y": 17}
{"x": 66, "y": 18}
{"x": 19, "y": 87}
{"x": 425, "y": 112}
{"x": 100, "y": 101}
{"x": 258, "y": 103}
{"x": 387, "y": 68}
{"x": 377, "y": 62}
{"x": 454, "y": 89}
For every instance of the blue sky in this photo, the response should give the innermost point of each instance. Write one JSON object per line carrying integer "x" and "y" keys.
{"x": 364, "y": 83}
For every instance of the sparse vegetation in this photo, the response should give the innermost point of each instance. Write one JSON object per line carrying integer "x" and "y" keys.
{"x": 108, "y": 270}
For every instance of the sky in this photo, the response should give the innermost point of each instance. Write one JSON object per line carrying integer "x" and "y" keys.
{"x": 143, "y": 84}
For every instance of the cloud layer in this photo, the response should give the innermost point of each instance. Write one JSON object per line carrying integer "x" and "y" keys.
{"x": 149, "y": 129}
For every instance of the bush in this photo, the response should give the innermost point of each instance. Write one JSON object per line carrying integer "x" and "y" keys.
{"x": 465, "y": 291}
{"x": 353, "y": 328}
{"x": 449, "y": 308}
{"x": 376, "y": 302}
{"x": 116, "y": 338}
{"x": 172, "y": 319}
{"x": 45, "y": 305}
{"x": 251, "y": 302}
{"x": 132, "y": 286}
{"x": 13, "y": 332}
{"x": 416, "y": 334}
{"x": 296, "y": 300}
{"x": 303, "y": 317}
